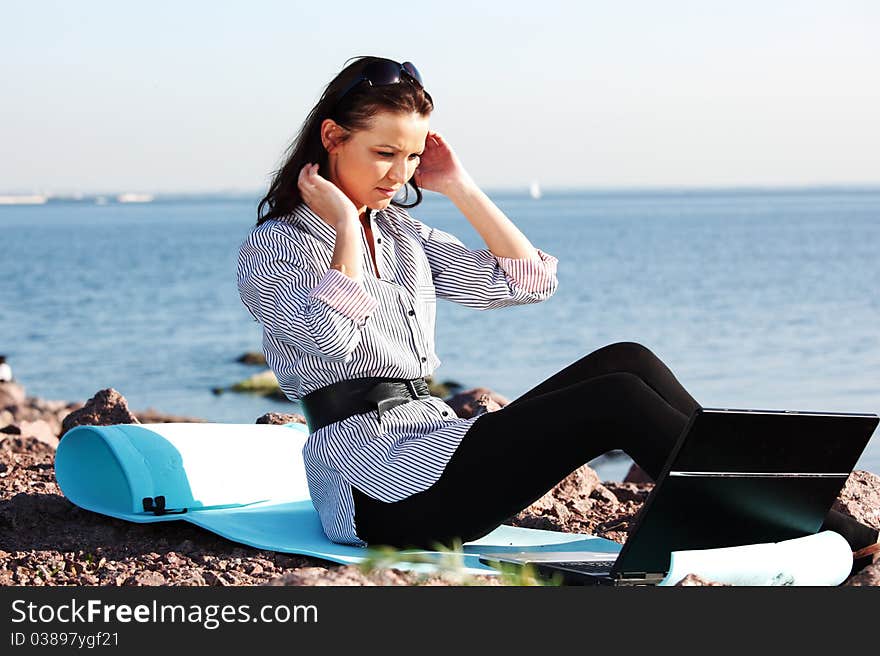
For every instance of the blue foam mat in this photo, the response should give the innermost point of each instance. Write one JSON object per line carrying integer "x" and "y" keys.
{"x": 246, "y": 483}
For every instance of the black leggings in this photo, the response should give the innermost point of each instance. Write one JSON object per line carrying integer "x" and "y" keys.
{"x": 621, "y": 396}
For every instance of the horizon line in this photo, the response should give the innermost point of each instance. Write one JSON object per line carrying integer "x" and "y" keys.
{"x": 843, "y": 186}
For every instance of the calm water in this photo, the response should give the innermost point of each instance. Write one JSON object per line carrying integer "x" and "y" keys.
{"x": 761, "y": 299}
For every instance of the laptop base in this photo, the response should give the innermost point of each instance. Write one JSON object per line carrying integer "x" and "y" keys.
{"x": 579, "y": 574}
{"x": 572, "y": 576}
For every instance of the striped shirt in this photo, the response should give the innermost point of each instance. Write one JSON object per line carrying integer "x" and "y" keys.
{"x": 321, "y": 326}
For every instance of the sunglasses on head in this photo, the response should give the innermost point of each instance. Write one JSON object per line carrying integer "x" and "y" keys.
{"x": 384, "y": 72}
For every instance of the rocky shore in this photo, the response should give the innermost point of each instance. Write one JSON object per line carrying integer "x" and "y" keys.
{"x": 46, "y": 540}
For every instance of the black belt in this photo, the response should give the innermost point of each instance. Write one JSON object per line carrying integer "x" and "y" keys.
{"x": 345, "y": 398}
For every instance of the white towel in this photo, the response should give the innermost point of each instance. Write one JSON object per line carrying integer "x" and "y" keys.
{"x": 816, "y": 560}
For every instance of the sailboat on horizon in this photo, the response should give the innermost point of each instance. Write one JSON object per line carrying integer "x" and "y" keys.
{"x": 535, "y": 190}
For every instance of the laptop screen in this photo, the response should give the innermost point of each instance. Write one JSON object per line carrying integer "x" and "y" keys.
{"x": 745, "y": 477}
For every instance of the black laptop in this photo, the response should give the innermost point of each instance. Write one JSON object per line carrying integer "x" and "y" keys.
{"x": 735, "y": 477}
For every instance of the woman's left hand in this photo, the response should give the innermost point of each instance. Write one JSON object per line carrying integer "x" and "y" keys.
{"x": 439, "y": 169}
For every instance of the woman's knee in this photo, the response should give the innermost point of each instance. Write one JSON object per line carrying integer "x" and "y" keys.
{"x": 623, "y": 384}
{"x": 628, "y": 351}
{"x": 613, "y": 357}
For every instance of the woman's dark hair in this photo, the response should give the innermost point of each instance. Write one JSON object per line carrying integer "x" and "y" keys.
{"x": 355, "y": 112}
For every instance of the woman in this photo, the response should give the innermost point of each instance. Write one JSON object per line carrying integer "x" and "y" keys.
{"x": 345, "y": 283}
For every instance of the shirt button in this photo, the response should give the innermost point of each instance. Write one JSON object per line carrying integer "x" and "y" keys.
{"x": 424, "y": 359}
{"x": 446, "y": 413}
{"x": 411, "y": 312}
{"x": 378, "y": 240}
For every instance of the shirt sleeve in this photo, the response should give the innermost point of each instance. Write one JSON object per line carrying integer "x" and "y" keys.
{"x": 480, "y": 279}
{"x": 319, "y": 312}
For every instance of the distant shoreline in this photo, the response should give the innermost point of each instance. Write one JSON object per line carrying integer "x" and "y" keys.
{"x": 22, "y": 198}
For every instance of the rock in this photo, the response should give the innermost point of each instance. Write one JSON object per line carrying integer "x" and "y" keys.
{"x": 470, "y": 403}
{"x": 6, "y": 418}
{"x": 53, "y": 421}
{"x": 149, "y": 578}
{"x": 346, "y": 575}
{"x": 483, "y": 404}
{"x": 444, "y": 389}
{"x": 693, "y": 579}
{"x": 40, "y": 430}
{"x": 11, "y": 429}
{"x": 151, "y": 416}
{"x": 280, "y": 418}
{"x": 11, "y": 394}
{"x": 637, "y": 475}
{"x": 352, "y": 575}
{"x": 106, "y": 408}
{"x": 186, "y": 547}
{"x": 868, "y": 576}
{"x": 28, "y": 445}
{"x": 260, "y": 383}
{"x": 215, "y": 578}
{"x": 573, "y": 490}
{"x": 45, "y": 405}
{"x": 575, "y": 505}
{"x": 860, "y": 498}
{"x": 195, "y": 578}
{"x": 624, "y": 492}
{"x": 252, "y": 357}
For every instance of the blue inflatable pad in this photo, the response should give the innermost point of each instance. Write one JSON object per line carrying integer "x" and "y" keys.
{"x": 127, "y": 471}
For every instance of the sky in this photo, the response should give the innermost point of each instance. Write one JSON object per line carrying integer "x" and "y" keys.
{"x": 206, "y": 96}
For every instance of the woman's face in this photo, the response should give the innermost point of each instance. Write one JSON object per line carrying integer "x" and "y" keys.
{"x": 384, "y": 156}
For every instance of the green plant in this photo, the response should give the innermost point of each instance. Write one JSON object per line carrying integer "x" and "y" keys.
{"x": 450, "y": 562}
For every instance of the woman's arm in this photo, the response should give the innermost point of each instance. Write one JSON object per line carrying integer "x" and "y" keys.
{"x": 479, "y": 278}
{"x": 440, "y": 170}
{"x": 347, "y": 250}
{"x": 502, "y": 237}
{"x": 500, "y": 234}
{"x": 284, "y": 284}
{"x": 328, "y": 202}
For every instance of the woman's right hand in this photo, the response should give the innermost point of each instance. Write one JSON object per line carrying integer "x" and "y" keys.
{"x": 324, "y": 198}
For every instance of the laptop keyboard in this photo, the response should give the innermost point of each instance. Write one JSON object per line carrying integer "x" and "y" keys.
{"x": 585, "y": 566}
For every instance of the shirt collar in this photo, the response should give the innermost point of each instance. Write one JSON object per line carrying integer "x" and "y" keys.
{"x": 303, "y": 216}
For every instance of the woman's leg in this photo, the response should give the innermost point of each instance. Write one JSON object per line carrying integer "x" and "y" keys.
{"x": 511, "y": 457}
{"x": 628, "y": 357}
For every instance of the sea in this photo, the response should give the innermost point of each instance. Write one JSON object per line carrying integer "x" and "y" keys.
{"x": 755, "y": 298}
